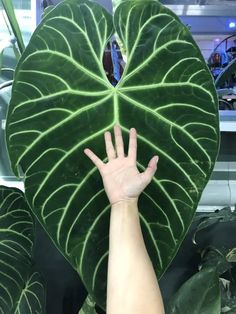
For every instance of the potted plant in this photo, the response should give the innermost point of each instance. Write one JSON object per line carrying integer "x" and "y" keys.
{"x": 62, "y": 101}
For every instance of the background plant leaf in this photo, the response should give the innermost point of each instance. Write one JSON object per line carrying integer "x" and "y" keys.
{"x": 21, "y": 291}
{"x": 228, "y": 297}
{"x": 231, "y": 256}
{"x": 226, "y": 74}
{"x": 63, "y": 102}
{"x": 206, "y": 220}
{"x": 9, "y": 9}
{"x": 214, "y": 257}
{"x": 198, "y": 295}
{"x": 4, "y": 44}
{"x": 32, "y": 298}
{"x": 88, "y": 306}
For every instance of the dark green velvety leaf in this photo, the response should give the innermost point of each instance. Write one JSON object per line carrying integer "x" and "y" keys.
{"x": 32, "y": 297}
{"x": 63, "y": 102}
{"x": 207, "y": 220}
{"x": 198, "y": 295}
{"x": 21, "y": 292}
{"x": 213, "y": 257}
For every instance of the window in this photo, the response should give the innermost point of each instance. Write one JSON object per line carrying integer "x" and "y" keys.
{"x": 25, "y": 11}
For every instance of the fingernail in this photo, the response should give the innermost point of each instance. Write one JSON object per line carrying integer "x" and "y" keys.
{"x": 156, "y": 159}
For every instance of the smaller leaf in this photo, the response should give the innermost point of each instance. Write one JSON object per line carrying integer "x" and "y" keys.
{"x": 4, "y": 44}
{"x": 199, "y": 294}
{"x": 88, "y": 306}
{"x": 228, "y": 298}
{"x": 9, "y": 9}
{"x": 226, "y": 74}
{"x": 206, "y": 220}
{"x": 21, "y": 292}
{"x": 231, "y": 256}
{"x": 213, "y": 257}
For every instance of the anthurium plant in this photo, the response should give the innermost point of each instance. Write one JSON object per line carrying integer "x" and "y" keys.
{"x": 199, "y": 294}
{"x": 21, "y": 289}
{"x": 62, "y": 102}
{"x": 212, "y": 289}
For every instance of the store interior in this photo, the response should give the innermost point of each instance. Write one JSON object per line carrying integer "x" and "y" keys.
{"x": 213, "y": 26}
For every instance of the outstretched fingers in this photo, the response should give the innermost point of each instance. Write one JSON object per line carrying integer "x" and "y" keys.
{"x": 148, "y": 174}
{"x": 111, "y": 154}
{"x": 94, "y": 158}
{"x": 119, "y": 141}
{"x": 132, "y": 152}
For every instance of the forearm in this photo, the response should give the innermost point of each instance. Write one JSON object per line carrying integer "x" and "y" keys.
{"x": 130, "y": 266}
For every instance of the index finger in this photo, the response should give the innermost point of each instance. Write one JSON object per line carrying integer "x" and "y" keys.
{"x": 132, "y": 152}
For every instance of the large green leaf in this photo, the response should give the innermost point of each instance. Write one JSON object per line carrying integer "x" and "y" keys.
{"x": 21, "y": 290}
{"x": 62, "y": 102}
{"x": 198, "y": 295}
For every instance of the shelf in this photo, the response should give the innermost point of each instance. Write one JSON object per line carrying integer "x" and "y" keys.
{"x": 228, "y": 120}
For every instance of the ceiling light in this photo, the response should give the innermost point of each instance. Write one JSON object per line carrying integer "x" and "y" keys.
{"x": 232, "y": 25}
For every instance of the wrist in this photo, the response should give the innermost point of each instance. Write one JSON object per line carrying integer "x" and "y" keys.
{"x": 125, "y": 203}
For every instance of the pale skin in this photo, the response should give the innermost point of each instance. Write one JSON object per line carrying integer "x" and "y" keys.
{"x": 132, "y": 284}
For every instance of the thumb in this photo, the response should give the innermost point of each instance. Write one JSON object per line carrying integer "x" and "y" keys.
{"x": 148, "y": 174}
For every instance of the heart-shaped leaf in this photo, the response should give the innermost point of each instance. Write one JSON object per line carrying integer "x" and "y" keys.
{"x": 21, "y": 290}
{"x": 63, "y": 102}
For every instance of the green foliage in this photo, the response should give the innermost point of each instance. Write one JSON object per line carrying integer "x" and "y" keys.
{"x": 228, "y": 296}
{"x": 4, "y": 45}
{"x": 88, "y": 307}
{"x": 21, "y": 290}
{"x": 207, "y": 220}
{"x": 9, "y": 9}
{"x": 63, "y": 102}
{"x": 199, "y": 295}
{"x": 226, "y": 74}
{"x": 222, "y": 263}
{"x": 213, "y": 257}
{"x": 47, "y": 10}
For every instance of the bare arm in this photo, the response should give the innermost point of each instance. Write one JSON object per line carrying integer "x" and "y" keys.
{"x": 132, "y": 284}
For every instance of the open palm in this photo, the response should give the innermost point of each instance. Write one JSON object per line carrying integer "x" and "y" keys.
{"x": 121, "y": 178}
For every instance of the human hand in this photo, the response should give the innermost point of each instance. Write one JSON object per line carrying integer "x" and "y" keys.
{"x": 121, "y": 178}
